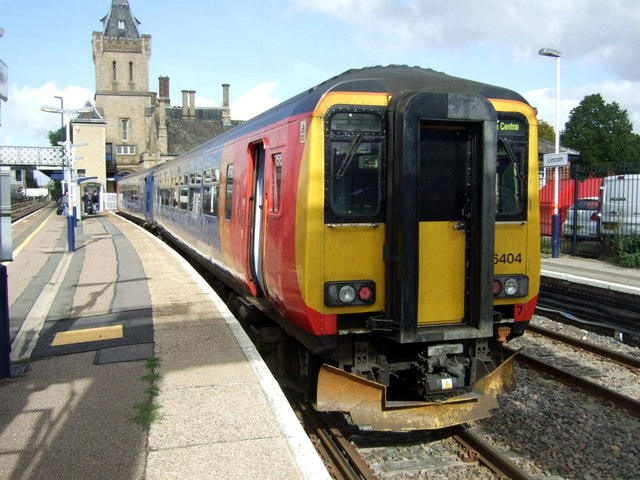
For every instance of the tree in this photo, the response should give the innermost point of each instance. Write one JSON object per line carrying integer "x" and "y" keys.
{"x": 56, "y": 136}
{"x": 546, "y": 131}
{"x": 602, "y": 133}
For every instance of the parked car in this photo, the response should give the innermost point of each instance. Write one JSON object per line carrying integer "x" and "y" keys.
{"x": 620, "y": 214}
{"x": 584, "y": 217}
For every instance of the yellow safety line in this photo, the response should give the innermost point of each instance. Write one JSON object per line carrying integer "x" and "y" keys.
{"x": 28, "y": 239}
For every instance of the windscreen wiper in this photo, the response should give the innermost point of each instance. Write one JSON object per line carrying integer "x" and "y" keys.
{"x": 346, "y": 161}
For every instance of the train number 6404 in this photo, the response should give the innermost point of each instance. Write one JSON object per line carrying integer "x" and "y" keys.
{"x": 508, "y": 258}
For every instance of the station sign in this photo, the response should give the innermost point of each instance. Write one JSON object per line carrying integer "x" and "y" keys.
{"x": 555, "y": 159}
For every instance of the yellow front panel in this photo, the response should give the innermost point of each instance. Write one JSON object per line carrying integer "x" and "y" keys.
{"x": 442, "y": 273}
{"x": 324, "y": 253}
{"x": 355, "y": 253}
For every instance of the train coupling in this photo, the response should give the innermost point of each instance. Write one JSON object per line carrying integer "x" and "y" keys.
{"x": 366, "y": 402}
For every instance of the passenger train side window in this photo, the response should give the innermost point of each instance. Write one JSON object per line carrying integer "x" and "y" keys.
{"x": 276, "y": 184}
{"x": 228, "y": 201}
{"x": 354, "y": 165}
{"x": 210, "y": 192}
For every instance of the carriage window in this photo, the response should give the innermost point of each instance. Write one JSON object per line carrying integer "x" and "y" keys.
{"x": 354, "y": 166}
{"x": 195, "y": 200}
{"x": 228, "y": 201}
{"x": 276, "y": 183}
{"x": 210, "y": 200}
{"x": 183, "y": 200}
{"x": 511, "y": 170}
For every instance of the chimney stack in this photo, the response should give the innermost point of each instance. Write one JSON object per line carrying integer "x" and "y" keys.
{"x": 185, "y": 105}
{"x": 226, "y": 112}
{"x": 164, "y": 89}
{"x": 192, "y": 103}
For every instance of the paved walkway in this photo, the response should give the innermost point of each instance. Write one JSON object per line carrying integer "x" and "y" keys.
{"x": 69, "y": 416}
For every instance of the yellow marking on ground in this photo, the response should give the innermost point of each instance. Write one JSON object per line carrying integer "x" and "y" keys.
{"x": 87, "y": 335}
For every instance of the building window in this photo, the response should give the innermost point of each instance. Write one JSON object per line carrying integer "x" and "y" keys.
{"x": 114, "y": 70}
{"x": 126, "y": 149}
{"x": 131, "y": 71}
{"x": 121, "y": 24}
{"x": 124, "y": 129}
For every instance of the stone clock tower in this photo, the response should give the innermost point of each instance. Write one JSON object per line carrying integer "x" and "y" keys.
{"x": 121, "y": 57}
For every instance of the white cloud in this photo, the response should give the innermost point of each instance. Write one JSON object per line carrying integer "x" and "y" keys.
{"x": 29, "y": 125}
{"x": 254, "y": 102}
{"x": 593, "y": 32}
{"x": 624, "y": 93}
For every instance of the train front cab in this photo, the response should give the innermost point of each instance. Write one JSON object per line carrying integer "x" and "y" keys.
{"x": 437, "y": 291}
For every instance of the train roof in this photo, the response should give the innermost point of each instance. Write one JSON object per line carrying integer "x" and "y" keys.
{"x": 392, "y": 79}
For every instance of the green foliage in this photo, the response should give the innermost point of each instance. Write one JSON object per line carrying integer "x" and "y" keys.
{"x": 56, "y": 136}
{"x": 546, "y": 131}
{"x": 602, "y": 133}
{"x": 149, "y": 411}
{"x": 627, "y": 251}
{"x": 146, "y": 414}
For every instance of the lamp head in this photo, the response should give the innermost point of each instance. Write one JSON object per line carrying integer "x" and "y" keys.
{"x": 550, "y": 52}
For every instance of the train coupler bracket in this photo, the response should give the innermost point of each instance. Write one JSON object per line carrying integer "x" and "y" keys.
{"x": 380, "y": 324}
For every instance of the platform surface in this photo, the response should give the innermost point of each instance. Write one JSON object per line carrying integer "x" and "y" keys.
{"x": 86, "y": 322}
{"x": 592, "y": 272}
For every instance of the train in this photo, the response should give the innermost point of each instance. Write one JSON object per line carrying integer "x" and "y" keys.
{"x": 378, "y": 234}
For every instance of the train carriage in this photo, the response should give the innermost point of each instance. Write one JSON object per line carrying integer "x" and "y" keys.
{"x": 387, "y": 220}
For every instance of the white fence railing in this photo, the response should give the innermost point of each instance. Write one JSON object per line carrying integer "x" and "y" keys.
{"x": 110, "y": 201}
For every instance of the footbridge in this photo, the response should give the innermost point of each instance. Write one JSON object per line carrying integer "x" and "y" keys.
{"x": 42, "y": 158}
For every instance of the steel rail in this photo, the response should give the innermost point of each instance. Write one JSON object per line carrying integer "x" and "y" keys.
{"x": 345, "y": 461}
{"x": 620, "y": 358}
{"x": 592, "y": 388}
{"x": 489, "y": 456}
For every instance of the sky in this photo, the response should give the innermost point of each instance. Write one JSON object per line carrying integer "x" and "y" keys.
{"x": 271, "y": 50}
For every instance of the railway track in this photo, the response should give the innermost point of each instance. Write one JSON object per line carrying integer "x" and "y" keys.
{"x": 23, "y": 208}
{"x": 577, "y": 380}
{"x": 348, "y": 453}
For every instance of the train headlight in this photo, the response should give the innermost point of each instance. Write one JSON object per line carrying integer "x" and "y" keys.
{"x": 511, "y": 287}
{"x": 347, "y": 294}
{"x": 356, "y": 292}
{"x": 508, "y": 286}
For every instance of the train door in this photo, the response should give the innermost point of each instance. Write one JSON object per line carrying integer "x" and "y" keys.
{"x": 440, "y": 228}
{"x": 257, "y": 217}
{"x": 149, "y": 197}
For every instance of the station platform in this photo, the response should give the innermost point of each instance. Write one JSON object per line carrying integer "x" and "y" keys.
{"x": 83, "y": 328}
{"x": 592, "y": 273}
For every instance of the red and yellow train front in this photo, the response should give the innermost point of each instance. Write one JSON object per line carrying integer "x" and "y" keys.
{"x": 416, "y": 249}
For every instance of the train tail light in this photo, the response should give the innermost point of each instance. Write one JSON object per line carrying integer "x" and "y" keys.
{"x": 356, "y": 292}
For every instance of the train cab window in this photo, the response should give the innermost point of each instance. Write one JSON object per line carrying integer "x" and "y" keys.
{"x": 354, "y": 163}
{"x": 228, "y": 200}
{"x": 511, "y": 170}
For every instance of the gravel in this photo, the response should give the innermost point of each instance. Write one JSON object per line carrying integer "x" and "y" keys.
{"x": 562, "y": 431}
{"x": 552, "y": 431}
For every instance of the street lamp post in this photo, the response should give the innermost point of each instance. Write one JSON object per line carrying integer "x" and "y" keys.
{"x": 69, "y": 171}
{"x": 555, "y": 219}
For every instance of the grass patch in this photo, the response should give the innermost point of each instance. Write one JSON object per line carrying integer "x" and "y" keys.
{"x": 627, "y": 251}
{"x": 149, "y": 411}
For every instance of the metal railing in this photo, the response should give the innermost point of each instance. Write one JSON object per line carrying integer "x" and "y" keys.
{"x": 607, "y": 213}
